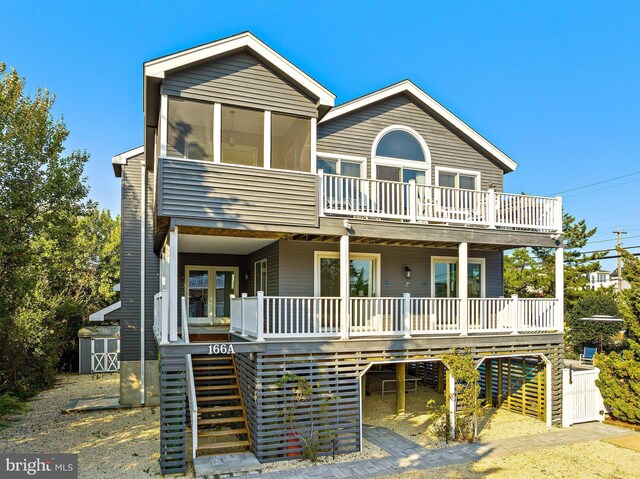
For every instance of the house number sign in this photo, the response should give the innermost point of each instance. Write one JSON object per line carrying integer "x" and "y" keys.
{"x": 221, "y": 349}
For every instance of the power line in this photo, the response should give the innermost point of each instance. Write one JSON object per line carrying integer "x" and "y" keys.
{"x": 596, "y": 183}
{"x": 611, "y": 239}
{"x": 600, "y": 189}
{"x": 605, "y": 250}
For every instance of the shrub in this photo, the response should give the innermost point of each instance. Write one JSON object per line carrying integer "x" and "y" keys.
{"x": 619, "y": 382}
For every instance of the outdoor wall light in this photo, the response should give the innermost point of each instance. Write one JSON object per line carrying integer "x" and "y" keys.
{"x": 246, "y": 276}
{"x": 407, "y": 272}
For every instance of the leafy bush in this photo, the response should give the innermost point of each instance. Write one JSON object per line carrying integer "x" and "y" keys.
{"x": 619, "y": 382}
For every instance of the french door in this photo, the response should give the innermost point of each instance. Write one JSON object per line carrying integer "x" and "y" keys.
{"x": 208, "y": 290}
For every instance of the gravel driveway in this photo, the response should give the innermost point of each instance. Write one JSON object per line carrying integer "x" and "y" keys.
{"x": 123, "y": 443}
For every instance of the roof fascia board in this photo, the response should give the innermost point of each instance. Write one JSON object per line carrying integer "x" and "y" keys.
{"x": 159, "y": 68}
{"x": 122, "y": 158}
{"x": 99, "y": 315}
{"x": 408, "y": 87}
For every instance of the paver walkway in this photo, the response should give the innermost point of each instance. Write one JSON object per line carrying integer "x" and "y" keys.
{"x": 405, "y": 455}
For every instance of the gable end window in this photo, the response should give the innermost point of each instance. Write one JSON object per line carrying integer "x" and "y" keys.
{"x": 400, "y": 154}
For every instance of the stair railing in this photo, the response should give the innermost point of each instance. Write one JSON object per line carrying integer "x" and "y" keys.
{"x": 193, "y": 405}
{"x": 185, "y": 321}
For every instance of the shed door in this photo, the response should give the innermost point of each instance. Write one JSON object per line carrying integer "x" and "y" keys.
{"x": 105, "y": 355}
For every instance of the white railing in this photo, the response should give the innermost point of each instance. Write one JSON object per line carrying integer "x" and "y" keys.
{"x": 368, "y": 198}
{"x": 453, "y": 205}
{"x": 161, "y": 316}
{"x": 435, "y": 315}
{"x": 193, "y": 404}
{"x": 301, "y": 316}
{"x": 270, "y": 317}
{"x": 522, "y": 211}
{"x": 185, "y": 321}
{"x": 376, "y": 316}
{"x": 538, "y": 315}
{"x": 492, "y": 315}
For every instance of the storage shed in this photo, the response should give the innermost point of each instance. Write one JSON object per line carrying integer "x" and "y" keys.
{"x": 99, "y": 349}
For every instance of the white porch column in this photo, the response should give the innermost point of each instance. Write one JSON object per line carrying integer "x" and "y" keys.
{"x": 173, "y": 285}
{"x": 344, "y": 287}
{"x": 560, "y": 288}
{"x": 463, "y": 280}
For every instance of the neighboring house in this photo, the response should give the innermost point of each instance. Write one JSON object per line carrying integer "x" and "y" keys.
{"x": 606, "y": 279}
{"x": 319, "y": 240}
{"x": 600, "y": 279}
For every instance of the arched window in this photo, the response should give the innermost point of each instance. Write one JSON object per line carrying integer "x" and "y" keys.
{"x": 400, "y": 154}
{"x": 400, "y": 144}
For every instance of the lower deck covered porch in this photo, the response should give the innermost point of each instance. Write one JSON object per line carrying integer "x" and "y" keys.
{"x": 340, "y": 287}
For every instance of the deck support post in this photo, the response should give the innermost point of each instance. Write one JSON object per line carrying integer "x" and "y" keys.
{"x": 450, "y": 397}
{"x": 173, "y": 285}
{"x": 400, "y": 388}
{"x": 441, "y": 378}
{"x": 559, "y": 257}
{"x": 463, "y": 281}
{"x": 488, "y": 382}
{"x": 344, "y": 287}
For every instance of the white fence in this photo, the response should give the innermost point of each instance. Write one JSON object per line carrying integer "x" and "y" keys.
{"x": 581, "y": 398}
{"x": 264, "y": 317}
{"x": 361, "y": 197}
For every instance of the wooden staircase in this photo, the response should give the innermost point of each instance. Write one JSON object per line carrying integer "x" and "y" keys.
{"x": 222, "y": 422}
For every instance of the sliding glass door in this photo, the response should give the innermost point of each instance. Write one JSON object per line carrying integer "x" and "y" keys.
{"x": 444, "y": 277}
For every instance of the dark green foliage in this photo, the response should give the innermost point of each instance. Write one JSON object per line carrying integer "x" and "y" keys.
{"x": 10, "y": 405}
{"x": 604, "y": 335}
{"x": 619, "y": 378}
{"x": 619, "y": 383}
{"x": 530, "y": 272}
{"x": 59, "y": 255}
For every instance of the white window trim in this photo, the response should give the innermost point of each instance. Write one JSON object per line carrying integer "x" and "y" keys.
{"x": 255, "y": 275}
{"x": 211, "y": 270}
{"x": 457, "y": 171}
{"x": 337, "y": 157}
{"x": 397, "y": 162}
{"x": 333, "y": 254}
{"x": 454, "y": 259}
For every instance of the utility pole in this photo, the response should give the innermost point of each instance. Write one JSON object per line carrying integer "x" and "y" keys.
{"x": 619, "y": 233}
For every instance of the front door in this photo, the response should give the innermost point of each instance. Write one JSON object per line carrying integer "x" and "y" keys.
{"x": 208, "y": 290}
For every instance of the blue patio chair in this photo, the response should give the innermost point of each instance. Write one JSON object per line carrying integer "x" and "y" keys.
{"x": 587, "y": 356}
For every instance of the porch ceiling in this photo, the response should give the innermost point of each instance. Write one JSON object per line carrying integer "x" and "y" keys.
{"x": 220, "y": 244}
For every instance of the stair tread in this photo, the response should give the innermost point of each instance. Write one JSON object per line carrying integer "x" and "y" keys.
{"x": 226, "y": 432}
{"x": 222, "y": 445}
{"x": 217, "y": 398}
{"x": 219, "y": 409}
{"x": 220, "y": 420}
{"x": 211, "y": 358}
{"x": 217, "y": 388}
{"x": 212, "y": 368}
{"x": 207, "y": 378}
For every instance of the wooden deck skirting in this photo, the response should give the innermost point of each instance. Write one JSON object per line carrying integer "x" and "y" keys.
{"x": 334, "y": 368}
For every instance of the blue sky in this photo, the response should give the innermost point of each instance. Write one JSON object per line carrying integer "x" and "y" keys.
{"x": 555, "y": 85}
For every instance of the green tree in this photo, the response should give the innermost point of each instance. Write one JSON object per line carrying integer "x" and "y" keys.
{"x": 530, "y": 272}
{"x": 579, "y": 334}
{"x": 629, "y": 300}
{"x": 58, "y": 253}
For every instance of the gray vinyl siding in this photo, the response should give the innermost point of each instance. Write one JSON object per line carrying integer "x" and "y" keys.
{"x": 242, "y": 80}
{"x": 191, "y": 189}
{"x": 354, "y": 133}
{"x": 272, "y": 254}
{"x": 297, "y": 268}
{"x": 130, "y": 261}
{"x": 130, "y": 265}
